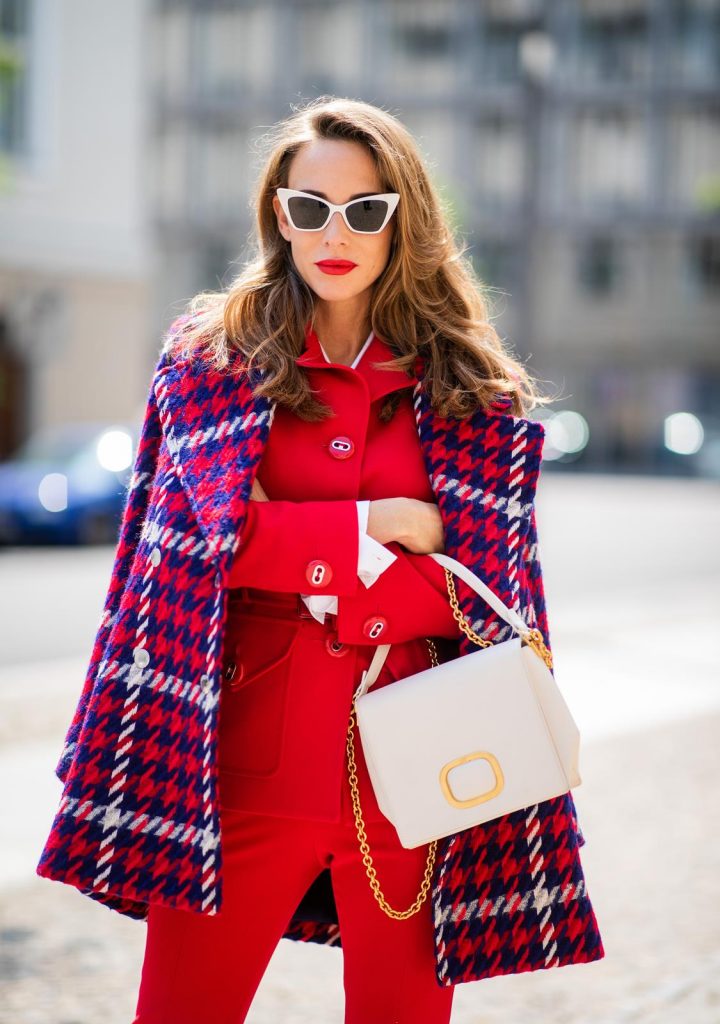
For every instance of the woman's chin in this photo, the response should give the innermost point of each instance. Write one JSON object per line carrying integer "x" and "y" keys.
{"x": 332, "y": 291}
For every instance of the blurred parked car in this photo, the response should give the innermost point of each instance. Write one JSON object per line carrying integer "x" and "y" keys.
{"x": 67, "y": 484}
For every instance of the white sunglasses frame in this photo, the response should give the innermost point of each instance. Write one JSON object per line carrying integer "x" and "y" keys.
{"x": 285, "y": 194}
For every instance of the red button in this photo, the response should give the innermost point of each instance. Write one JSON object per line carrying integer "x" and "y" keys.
{"x": 341, "y": 447}
{"x": 234, "y": 674}
{"x": 335, "y": 646}
{"x": 318, "y": 573}
{"x": 374, "y": 627}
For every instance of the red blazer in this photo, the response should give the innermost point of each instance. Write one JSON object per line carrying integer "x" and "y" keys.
{"x": 282, "y": 727}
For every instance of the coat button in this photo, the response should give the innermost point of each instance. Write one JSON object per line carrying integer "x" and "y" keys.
{"x": 155, "y": 556}
{"x": 335, "y": 646}
{"x": 374, "y": 627}
{"x": 234, "y": 673}
{"x": 205, "y": 683}
{"x": 318, "y": 573}
{"x": 341, "y": 447}
{"x": 141, "y": 657}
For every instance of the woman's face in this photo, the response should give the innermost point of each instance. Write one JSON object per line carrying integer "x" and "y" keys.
{"x": 339, "y": 170}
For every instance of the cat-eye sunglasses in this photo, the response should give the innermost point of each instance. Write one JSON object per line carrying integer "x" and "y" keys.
{"x": 367, "y": 215}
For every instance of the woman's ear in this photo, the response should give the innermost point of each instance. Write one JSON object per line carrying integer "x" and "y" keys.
{"x": 283, "y": 226}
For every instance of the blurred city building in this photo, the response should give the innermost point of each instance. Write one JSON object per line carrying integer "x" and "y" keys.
{"x": 76, "y": 248}
{"x": 576, "y": 143}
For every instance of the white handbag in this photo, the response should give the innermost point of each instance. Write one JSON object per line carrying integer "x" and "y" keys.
{"x": 465, "y": 741}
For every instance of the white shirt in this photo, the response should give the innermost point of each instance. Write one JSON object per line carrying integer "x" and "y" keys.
{"x": 373, "y": 557}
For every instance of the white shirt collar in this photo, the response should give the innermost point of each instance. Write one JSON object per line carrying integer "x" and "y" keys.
{"x": 358, "y": 357}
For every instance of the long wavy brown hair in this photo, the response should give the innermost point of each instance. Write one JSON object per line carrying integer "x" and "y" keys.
{"x": 427, "y": 302}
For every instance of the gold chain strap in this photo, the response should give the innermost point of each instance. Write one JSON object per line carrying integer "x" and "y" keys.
{"x": 534, "y": 638}
{"x": 398, "y": 915}
{"x": 536, "y": 641}
{"x": 458, "y": 615}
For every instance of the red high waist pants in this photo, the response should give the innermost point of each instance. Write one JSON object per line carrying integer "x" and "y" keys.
{"x": 202, "y": 969}
{"x": 205, "y": 969}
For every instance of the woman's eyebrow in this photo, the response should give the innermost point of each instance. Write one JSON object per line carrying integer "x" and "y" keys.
{"x": 314, "y": 192}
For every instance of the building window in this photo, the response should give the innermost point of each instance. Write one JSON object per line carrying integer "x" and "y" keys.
{"x": 694, "y": 157}
{"x": 499, "y": 159}
{"x": 425, "y": 42}
{"x": 694, "y": 42}
{"x": 503, "y": 25}
{"x": 330, "y": 47}
{"x": 223, "y": 175}
{"x": 422, "y": 41}
{"x": 500, "y": 57}
{"x": 217, "y": 265}
{"x": 14, "y": 77}
{"x": 494, "y": 260}
{"x": 610, "y": 150}
{"x": 703, "y": 262}
{"x": 598, "y": 267}
{"x": 613, "y": 42}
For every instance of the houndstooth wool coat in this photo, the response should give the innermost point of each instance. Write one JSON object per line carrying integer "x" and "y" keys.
{"x": 139, "y": 821}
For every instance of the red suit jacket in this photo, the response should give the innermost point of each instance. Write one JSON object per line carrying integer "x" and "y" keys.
{"x": 282, "y": 728}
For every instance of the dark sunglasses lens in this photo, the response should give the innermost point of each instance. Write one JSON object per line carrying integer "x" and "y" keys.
{"x": 367, "y": 214}
{"x": 306, "y": 213}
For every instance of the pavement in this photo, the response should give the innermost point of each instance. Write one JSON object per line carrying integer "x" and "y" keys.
{"x": 634, "y": 634}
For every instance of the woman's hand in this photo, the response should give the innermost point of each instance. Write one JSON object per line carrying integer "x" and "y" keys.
{"x": 416, "y": 525}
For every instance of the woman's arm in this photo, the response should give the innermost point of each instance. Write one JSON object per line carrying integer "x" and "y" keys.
{"x": 269, "y": 534}
{"x": 281, "y": 540}
{"x": 281, "y": 537}
{"x": 411, "y": 595}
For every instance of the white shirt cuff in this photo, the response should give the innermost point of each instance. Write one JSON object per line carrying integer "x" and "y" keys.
{"x": 373, "y": 559}
{"x": 320, "y": 605}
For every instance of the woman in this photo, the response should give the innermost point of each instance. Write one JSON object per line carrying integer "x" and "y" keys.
{"x": 311, "y": 436}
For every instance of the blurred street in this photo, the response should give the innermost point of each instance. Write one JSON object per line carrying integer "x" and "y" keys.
{"x": 631, "y": 568}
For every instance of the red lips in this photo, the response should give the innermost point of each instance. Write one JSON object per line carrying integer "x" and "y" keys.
{"x": 336, "y": 266}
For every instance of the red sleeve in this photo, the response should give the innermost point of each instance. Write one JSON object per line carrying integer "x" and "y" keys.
{"x": 281, "y": 538}
{"x": 411, "y": 594}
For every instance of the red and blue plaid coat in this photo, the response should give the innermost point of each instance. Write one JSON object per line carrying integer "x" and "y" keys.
{"x": 139, "y": 821}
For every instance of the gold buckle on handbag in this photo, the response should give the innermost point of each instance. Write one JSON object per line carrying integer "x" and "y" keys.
{"x": 472, "y": 801}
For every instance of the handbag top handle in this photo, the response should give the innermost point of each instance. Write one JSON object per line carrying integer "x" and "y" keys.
{"x": 508, "y": 614}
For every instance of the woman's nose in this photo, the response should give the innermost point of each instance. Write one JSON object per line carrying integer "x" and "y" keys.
{"x": 336, "y": 226}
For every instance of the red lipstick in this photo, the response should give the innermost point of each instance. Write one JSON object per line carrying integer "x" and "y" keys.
{"x": 335, "y": 266}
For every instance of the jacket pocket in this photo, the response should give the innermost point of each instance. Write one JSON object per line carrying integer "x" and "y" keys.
{"x": 256, "y": 666}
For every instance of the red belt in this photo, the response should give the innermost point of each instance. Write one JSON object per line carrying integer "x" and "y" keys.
{"x": 273, "y": 602}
